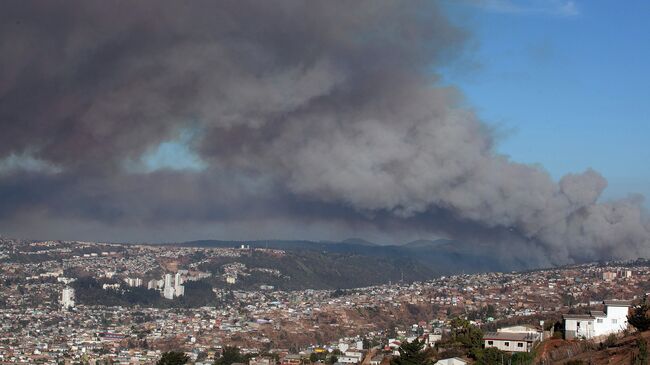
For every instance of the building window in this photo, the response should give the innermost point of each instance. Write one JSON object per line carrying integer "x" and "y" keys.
{"x": 599, "y": 320}
{"x": 506, "y": 344}
{"x": 614, "y": 321}
{"x": 520, "y": 344}
{"x": 490, "y": 343}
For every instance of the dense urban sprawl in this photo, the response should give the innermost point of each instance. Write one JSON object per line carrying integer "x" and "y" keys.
{"x": 46, "y": 315}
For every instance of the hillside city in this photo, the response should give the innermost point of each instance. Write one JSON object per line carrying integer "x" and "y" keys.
{"x": 95, "y": 303}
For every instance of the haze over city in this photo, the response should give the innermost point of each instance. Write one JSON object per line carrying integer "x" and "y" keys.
{"x": 509, "y": 124}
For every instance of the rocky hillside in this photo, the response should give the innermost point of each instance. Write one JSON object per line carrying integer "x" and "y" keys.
{"x": 625, "y": 350}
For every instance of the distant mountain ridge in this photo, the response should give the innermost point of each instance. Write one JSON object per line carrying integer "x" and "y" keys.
{"x": 440, "y": 257}
{"x": 427, "y": 243}
{"x": 359, "y": 241}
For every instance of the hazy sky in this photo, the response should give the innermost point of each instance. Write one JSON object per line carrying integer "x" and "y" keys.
{"x": 494, "y": 122}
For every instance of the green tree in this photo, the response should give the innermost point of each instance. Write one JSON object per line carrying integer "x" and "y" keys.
{"x": 366, "y": 344}
{"x": 230, "y": 355}
{"x": 522, "y": 358}
{"x": 466, "y": 334}
{"x": 639, "y": 317}
{"x": 490, "y": 311}
{"x": 173, "y": 358}
{"x": 490, "y": 356}
{"x": 411, "y": 353}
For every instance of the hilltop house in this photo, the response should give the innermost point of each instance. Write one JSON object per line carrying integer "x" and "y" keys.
{"x": 451, "y": 361}
{"x": 597, "y": 323}
{"x": 513, "y": 339}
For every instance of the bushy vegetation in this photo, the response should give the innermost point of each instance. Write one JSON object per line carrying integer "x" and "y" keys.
{"x": 173, "y": 358}
{"x": 641, "y": 358}
{"x": 89, "y": 291}
{"x": 411, "y": 353}
{"x": 639, "y": 317}
{"x": 321, "y": 270}
{"x": 610, "y": 341}
{"x": 466, "y": 334}
{"x": 230, "y": 355}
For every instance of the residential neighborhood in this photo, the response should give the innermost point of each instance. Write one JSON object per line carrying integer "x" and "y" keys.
{"x": 46, "y": 320}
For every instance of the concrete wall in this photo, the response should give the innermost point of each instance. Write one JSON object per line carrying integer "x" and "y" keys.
{"x": 512, "y": 346}
{"x": 576, "y": 328}
{"x": 614, "y": 322}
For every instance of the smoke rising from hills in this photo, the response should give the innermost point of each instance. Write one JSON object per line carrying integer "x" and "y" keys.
{"x": 301, "y": 111}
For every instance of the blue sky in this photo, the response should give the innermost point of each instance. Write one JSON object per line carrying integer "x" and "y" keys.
{"x": 565, "y": 82}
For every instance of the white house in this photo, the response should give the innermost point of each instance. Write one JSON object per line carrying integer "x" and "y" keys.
{"x": 434, "y": 337}
{"x": 513, "y": 339}
{"x": 597, "y": 323}
{"x": 451, "y": 361}
{"x": 349, "y": 359}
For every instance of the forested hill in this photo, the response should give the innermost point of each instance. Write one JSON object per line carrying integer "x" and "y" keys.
{"x": 356, "y": 262}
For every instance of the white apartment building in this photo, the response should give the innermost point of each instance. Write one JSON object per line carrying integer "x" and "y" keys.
{"x": 67, "y": 298}
{"x": 133, "y": 281}
{"x": 155, "y": 284}
{"x": 179, "y": 290}
{"x": 176, "y": 290}
{"x": 598, "y": 323}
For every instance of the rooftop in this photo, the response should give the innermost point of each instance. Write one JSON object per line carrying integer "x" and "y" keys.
{"x": 618, "y": 303}
{"x": 505, "y": 336}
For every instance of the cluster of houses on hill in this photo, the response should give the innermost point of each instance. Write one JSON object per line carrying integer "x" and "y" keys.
{"x": 523, "y": 338}
{"x": 596, "y": 324}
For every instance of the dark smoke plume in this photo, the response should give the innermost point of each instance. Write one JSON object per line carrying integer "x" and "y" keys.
{"x": 302, "y": 112}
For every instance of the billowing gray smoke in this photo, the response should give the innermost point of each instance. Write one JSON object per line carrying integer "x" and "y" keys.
{"x": 302, "y": 111}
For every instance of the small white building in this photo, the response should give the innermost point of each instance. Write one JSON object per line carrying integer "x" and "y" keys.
{"x": 451, "y": 361}
{"x": 115, "y": 286}
{"x": 513, "y": 339}
{"x": 155, "y": 284}
{"x": 433, "y": 338}
{"x": 597, "y": 323}
{"x": 349, "y": 359}
{"x": 133, "y": 282}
